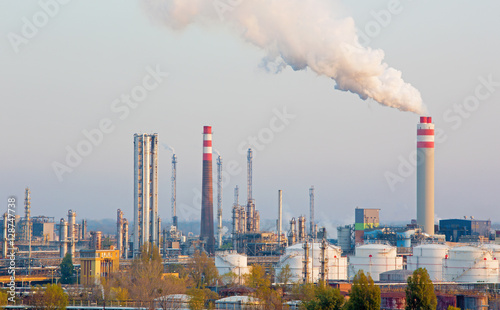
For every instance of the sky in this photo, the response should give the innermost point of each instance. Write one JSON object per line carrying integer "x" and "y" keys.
{"x": 63, "y": 79}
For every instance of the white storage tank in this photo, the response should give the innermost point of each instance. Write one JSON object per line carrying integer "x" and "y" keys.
{"x": 495, "y": 251}
{"x": 430, "y": 257}
{"x": 374, "y": 259}
{"x": 294, "y": 258}
{"x": 227, "y": 262}
{"x": 471, "y": 265}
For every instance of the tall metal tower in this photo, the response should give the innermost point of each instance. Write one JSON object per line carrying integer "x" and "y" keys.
{"x": 236, "y": 196}
{"x": 27, "y": 215}
{"x": 219, "y": 201}
{"x": 27, "y": 221}
{"x": 174, "y": 190}
{"x": 311, "y": 210}
{"x": 249, "y": 175}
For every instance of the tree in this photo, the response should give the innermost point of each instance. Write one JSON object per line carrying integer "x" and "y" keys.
{"x": 197, "y": 301}
{"x": 325, "y": 297}
{"x": 304, "y": 292}
{"x": 284, "y": 275}
{"x": 257, "y": 277}
{"x": 51, "y": 297}
{"x": 420, "y": 291}
{"x": 144, "y": 280}
{"x": 364, "y": 294}
{"x": 67, "y": 270}
{"x": 202, "y": 270}
{"x": 230, "y": 278}
{"x": 4, "y": 298}
{"x": 200, "y": 298}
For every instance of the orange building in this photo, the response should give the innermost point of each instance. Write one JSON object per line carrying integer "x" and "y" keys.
{"x": 97, "y": 264}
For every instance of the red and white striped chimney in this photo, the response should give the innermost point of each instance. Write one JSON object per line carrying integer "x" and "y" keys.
{"x": 207, "y": 143}
{"x": 207, "y": 206}
{"x": 425, "y": 175}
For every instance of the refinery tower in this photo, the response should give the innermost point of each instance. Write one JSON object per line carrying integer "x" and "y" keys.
{"x": 146, "y": 220}
{"x": 425, "y": 175}
{"x": 207, "y": 205}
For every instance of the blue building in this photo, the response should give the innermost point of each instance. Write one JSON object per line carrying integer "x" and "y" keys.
{"x": 453, "y": 229}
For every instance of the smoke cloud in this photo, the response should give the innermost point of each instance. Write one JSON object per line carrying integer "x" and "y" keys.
{"x": 168, "y": 147}
{"x": 301, "y": 34}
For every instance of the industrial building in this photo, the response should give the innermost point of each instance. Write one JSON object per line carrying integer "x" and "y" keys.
{"x": 365, "y": 219}
{"x": 454, "y": 229}
{"x": 98, "y": 264}
{"x": 146, "y": 221}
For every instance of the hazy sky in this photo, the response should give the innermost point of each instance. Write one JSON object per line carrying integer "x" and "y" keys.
{"x": 67, "y": 76}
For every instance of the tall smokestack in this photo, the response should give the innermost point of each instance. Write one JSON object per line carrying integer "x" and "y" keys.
{"x": 425, "y": 175}
{"x": 311, "y": 212}
{"x": 63, "y": 238}
{"x": 207, "y": 206}
{"x": 219, "y": 201}
{"x": 280, "y": 215}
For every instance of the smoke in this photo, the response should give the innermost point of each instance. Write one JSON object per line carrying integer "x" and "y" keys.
{"x": 168, "y": 147}
{"x": 301, "y": 34}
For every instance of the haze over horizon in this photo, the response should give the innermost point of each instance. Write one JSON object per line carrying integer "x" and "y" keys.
{"x": 71, "y": 76}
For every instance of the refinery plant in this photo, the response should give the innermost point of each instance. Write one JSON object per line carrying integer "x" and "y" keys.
{"x": 456, "y": 251}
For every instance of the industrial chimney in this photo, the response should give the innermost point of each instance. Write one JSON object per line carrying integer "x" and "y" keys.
{"x": 425, "y": 175}
{"x": 207, "y": 206}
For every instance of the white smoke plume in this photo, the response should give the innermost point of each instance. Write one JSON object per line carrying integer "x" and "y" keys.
{"x": 168, "y": 147}
{"x": 301, "y": 34}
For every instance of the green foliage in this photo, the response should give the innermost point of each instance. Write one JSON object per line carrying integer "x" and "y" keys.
{"x": 284, "y": 276}
{"x": 257, "y": 277}
{"x": 365, "y": 295}
{"x": 55, "y": 297}
{"x": 304, "y": 292}
{"x": 144, "y": 280}
{"x": 52, "y": 297}
{"x": 420, "y": 291}
{"x": 177, "y": 268}
{"x": 226, "y": 246}
{"x": 453, "y": 308}
{"x": 230, "y": 278}
{"x": 269, "y": 298}
{"x": 197, "y": 301}
{"x": 325, "y": 297}
{"x": 202, "y": 270}
{"x": 67, "y": 270}
{"x": 201, "y": 298}
{"x": 4, "y": 298}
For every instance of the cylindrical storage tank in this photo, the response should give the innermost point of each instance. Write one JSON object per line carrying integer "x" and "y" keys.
{"x": 344, "y": 237}
{"x": 232, "y": 263}
{"x": 374, "y": 259}
{"x": 294, "y": 258}
{"x": 471, "y": 265}
{"x": 430, "y": 257}
{"x": 495, "y": 252}
{"x": 404, "y": 239}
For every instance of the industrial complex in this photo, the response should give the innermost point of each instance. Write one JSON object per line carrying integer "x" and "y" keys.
{"x": 454, "y": 251}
